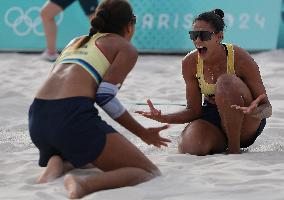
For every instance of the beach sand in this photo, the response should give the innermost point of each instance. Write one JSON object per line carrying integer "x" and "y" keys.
{"x": 256, "y": 174}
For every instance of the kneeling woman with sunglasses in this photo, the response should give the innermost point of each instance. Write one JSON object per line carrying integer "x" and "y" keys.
{"x": 235, "y": 106}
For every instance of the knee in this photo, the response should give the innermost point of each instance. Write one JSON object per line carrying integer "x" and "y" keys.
{"x": 196, "y": 144}
{"x": 193, "y": 150}
{"x": 228, "y": 87}
{"x": 46, "y": 15}
{"x": 225, "y": 84}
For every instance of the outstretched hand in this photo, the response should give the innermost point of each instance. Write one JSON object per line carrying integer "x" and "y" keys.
{"x": 250, "y": 110}
{"x": 152, "y": 136}
{"x": 153, "y": 114}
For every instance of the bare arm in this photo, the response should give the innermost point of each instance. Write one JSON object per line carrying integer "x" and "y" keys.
{"x": 248, "y": 70}
{"x": 193, "y": 97}
{"x": 123, "y": 63}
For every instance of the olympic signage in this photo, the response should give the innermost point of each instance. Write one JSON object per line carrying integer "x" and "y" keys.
{"x": 162, "y": 25}
{"x": 24, "y": 22}
{"x": 22, "y": 29}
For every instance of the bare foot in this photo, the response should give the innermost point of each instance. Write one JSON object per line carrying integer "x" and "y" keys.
{"x": 73, "y": 187}
{"x": 53, "y": 170}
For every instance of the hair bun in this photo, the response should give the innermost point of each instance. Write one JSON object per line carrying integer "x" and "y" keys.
{"x": 219, "y": 12}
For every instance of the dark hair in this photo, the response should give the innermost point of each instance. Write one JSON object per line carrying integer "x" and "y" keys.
{"x": 215, "y": 18}
{"x": 111, "y": 17}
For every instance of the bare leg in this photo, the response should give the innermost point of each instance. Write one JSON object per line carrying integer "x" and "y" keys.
{"x": 48, "y": 13}
{"x": 78, "y": 187}
{"x": 56, "y": 167}
{"x": 123, "y": 163}
{"x": 202, "y": 138}
{"x": 231, "y": 90}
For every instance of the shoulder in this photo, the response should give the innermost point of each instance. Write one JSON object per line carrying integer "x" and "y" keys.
{"x": 244, "y": 62}
{"x": 241, "y": 55}
{"x": 129, "y": 48}
{"x": 129, "y": 52}
{"x": 123, "y": 45}
{"x": 115, "y": 46}
{"x": 74, "y": 40}
{"x": 191, "y": 57}
{"x": 189, "y": 62}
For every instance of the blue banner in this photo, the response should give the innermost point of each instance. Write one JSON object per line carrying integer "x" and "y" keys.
{"x": 281, "y": 28}
{"x": 162, "y": 25}
{"x": 21, "y": 26}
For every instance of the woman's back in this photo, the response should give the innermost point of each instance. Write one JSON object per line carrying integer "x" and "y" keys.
{"x": 72, "y": 79}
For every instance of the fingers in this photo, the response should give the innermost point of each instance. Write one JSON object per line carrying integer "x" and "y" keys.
{"x": 235, "y": 106}
{"x": 245, "y": 110}
{"x": 260, "y": 98}
{"x": 238, "y": 107}
{"x": 155, "y": 139}
{"x": 150, "y": 104}
{"x": 152, "y": 108}
{"x": 161, "y": 143}
{"x": 153, "y": 111}
{"x": 145, "y": 114}
{"x": 163, "y": 127}
{"x": 141, "y": 112}
{"x": 164, "y": 140}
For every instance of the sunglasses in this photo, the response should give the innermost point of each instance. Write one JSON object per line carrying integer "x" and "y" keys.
{"x": 133, "y": 19}
{"x": 203, "y": 35}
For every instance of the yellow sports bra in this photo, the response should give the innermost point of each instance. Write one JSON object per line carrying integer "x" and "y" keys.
{"x": 208, "y": 88}
{"x": 89, "y": 56}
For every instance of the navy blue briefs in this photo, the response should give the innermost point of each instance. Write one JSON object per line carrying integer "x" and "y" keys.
{"x": 210, "y": 114}
{"x": 70, "y": 128}
{"x": 88, "y": 6}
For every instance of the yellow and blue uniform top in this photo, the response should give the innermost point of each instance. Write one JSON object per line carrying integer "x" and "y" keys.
{"x": 208, "y": 89}
{"x": 89, "y": 56}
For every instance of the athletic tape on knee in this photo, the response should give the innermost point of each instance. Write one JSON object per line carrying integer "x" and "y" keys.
{"x": 106, "y": 99}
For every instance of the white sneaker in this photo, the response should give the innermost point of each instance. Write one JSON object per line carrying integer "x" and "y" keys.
{"x": 49, "y": 57}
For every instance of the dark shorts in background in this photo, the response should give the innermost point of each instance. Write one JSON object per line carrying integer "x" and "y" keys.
{"x": 70, "y": 128}
{"x": 210, "y": 114}
{"x": 89, "y": 6}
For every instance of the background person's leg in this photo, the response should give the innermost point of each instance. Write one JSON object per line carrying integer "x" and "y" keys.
{"x": 48, "y": 13}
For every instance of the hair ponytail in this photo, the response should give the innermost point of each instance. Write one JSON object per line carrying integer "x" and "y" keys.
{"x": 105, "y": 21}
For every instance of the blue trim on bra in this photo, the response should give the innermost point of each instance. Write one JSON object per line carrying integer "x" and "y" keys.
{"x": 94, "y": 72}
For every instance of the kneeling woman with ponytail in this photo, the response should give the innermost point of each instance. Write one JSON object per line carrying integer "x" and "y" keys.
{"x": 64, "y": 124}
